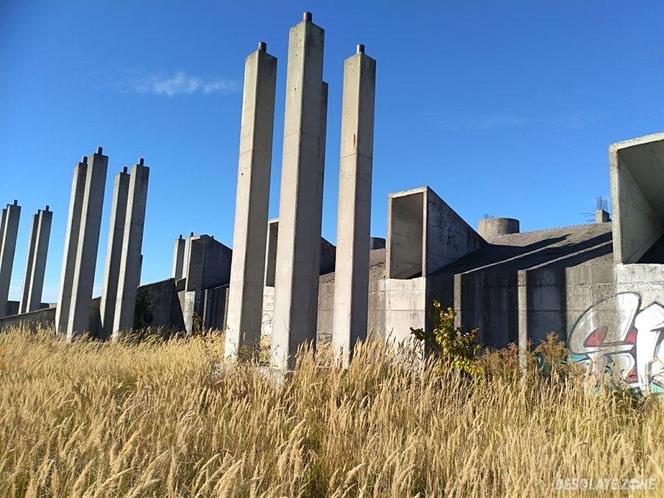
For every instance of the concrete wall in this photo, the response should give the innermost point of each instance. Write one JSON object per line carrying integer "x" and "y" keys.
{"x": 636, "y": 172}
{"x": 40, "y": 318}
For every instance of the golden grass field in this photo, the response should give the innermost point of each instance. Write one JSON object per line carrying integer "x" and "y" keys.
{"x": 169, "y": 419}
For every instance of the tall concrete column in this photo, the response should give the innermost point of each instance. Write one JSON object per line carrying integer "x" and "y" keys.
{"x": 300, "y": 209}
{"x": 11, "y": 217}
{"x": 109, "y": 292}
{"x": 130, "y": 262}
{"x": 36, "y": 267}
{"x": 245, "y": 300}
{"x": 88, "y": 244}
{"x": 351, "y": 281}
{"x": 71, "y": 246}
{"x": 23, "y": 305}
{"x": 178, "y": 257}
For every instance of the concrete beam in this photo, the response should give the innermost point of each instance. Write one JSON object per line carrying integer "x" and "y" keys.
{"x": 178, "y": 257}
{"x": 109, "y": 292}
{"x": 351, "y": 284}
{"x": 245, "y": 299}
{"x": 36, "y": 266}
{"x": 12, "y": 215}
{"x": 88, "y": 244}
{"x": 130, "y": 260}
{"x": 71, "y": 246}
{"x": 300, "y": 210}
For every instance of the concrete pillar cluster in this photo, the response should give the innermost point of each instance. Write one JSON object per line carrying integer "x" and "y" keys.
{"x": 298, "y": 244}
{"x": 87, "y": 227}
{"x": 11, "y": 215}
{"x": 36, "y": 266}
{"x": 123, "y": 257}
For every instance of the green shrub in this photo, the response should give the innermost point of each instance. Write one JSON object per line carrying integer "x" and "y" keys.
{"x": 451, "y": 344}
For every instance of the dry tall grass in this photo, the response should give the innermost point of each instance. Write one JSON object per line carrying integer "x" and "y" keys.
{"x": 169, "y": 419}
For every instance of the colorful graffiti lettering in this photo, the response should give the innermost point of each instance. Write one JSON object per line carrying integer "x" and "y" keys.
{"x": 616, "y": 334}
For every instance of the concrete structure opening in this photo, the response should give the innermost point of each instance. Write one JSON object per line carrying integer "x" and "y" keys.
{"x": 637, "y": 173}
{"x": 406, "y": 219}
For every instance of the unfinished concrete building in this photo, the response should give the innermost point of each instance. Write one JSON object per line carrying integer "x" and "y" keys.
{"x": 596, "y": 285}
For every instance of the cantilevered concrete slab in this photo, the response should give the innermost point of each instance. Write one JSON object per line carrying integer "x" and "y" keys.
{"x": 637, "y": 176}
{"x": 71, "y": 246}
{"x": 36, "y": 265}
{"x": 10, "y": 220}
{"x": 109, "y": 292}
{"x": 132, "y": 243}
{"x": 354, "y": 208}
{"x": 300, "y": 210}
{"x": 245, "y": 299}
{"x": 88, "y": 242}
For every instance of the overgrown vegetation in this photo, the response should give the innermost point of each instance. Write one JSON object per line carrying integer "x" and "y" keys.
{"x": 453, "y": 346}
{"x": 169, "y": 419}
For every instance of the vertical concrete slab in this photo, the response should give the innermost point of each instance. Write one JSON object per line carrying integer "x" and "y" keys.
{"x": 351, "y": 283}
{"x": 245, "y": 298}
{"x": 34, "y": 280}
{"x": 116, "y": 228}
{"x": 300, "y": 210}
{"x": 88, "y": 242}
{"x": 178, "y": 257}
{"x": 7, "y": 249}
{"x": 130, "y": 260}
{"x": 71, "y": 246}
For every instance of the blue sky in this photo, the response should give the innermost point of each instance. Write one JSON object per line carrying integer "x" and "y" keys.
{"x": 503, "y": 108}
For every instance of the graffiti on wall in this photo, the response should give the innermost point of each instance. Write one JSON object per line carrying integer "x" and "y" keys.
{"x": 617, "y": 334}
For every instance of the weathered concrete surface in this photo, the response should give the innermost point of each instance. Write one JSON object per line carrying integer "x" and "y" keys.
{"x": 351, "y": 284}
{"x": 109, "y": 291}
{"x": 208, "y": 265}
{"x": 327, "y": 258}
{"x": 44, "y": 317}
{"x": 36, "y": 266}
{"x": 10, "y": 220}
{"x": 300, "y": 210}
{"x": 215, "y": 311}
{"x": 71, "y": 245}
{"x": 130, "y": 260}
{"x": 525, "y": 286}
{"x": 178, "y": 258}
{"x": 159, "y": 308}
{"x": 88, "y": 242}
{"x": 376, "y": 300}
{"x": 245, "y": 300}
{"x": 636, "y": 172}
{"x": 489, "y": 228}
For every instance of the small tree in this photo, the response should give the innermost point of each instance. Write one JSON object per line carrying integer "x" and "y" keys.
{"x": 451, "y": 344}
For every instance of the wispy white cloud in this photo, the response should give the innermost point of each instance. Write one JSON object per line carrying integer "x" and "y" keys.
{"x": 490, "y": 122}
{"x": 172, "y": 84}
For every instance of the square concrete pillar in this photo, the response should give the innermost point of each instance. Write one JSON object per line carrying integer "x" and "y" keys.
{"x": 178, "y": 258}
{"x": 351, "y": 281}
{"x": 71, "y": 246}
{"x": 36, "y": 266}
{"x": 130, "y": 260}
{"x": 245, "y": 299}
{"x": 116, "y": 228}
{"x": 23, "y": 305}
{"x": 88, "y": 244}
{"x": 300, "y": 209}
{"x": 11, "y": 217}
